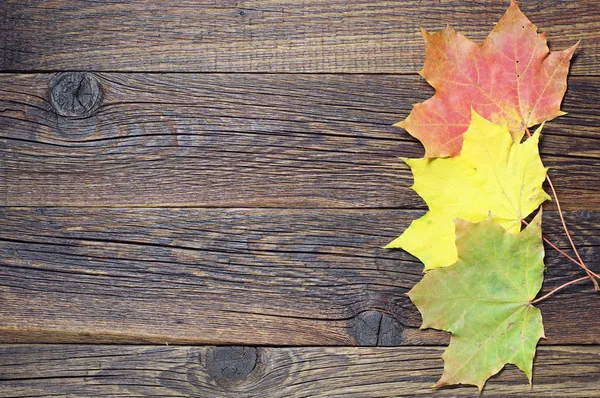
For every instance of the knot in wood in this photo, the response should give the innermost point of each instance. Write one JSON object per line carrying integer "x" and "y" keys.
{"x": 374, "y": 328}
{"x": 74, "y": 94}
{"x": 231, "y": 365}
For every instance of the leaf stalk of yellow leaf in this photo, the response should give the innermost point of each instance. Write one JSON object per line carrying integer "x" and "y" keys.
{"x": 591, "y": 275}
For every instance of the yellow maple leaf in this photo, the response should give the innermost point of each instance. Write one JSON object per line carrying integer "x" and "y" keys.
{"x": 492, "y": 175}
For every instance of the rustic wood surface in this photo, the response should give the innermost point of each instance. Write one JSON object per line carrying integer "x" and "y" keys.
{"x": 247, "y": 140}
{"x": 240, "y": 276}
{"x": 245, "y": 372}
{"x": 222, "y": 175}
{"x": 265, "y": 35}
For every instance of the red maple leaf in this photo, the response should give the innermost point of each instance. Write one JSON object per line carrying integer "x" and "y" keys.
{"x": 512, "y": 78}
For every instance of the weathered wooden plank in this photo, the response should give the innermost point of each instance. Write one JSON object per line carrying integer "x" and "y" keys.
{"x": 265, "y": 36}
{"x": 242, "y": 141}
{"x": 149, "y": 371}
{"x": 240, "y": 276}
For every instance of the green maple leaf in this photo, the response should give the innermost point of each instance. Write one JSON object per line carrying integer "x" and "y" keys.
{"x": 484, "y": 300}
{"x": 492, "y": 174}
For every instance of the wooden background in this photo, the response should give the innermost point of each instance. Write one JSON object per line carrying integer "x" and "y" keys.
{"x": 194, "y": 195}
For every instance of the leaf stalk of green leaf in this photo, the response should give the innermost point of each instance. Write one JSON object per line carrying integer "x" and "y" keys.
{"x": 559, "y": 288}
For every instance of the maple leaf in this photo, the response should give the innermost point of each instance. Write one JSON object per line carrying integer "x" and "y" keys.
{"x": 512, "y": 78}
{"x": 484, "y": 300}
{"x": 493, "y": 174}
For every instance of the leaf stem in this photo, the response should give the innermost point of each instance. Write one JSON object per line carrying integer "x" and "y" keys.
{"x": 552, "y": 245}
{"x": 559, "y": 288}
{"x": 590, "y": 274}
{"x": 562, "y": 219}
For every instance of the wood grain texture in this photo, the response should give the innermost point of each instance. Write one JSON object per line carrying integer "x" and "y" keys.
{"x": 241, "y": 276}
{"x": 248, "y": 205}
{"x": 335, "y": 36}
{"x": 219, "y": 372}
{"x": 243, "y": 140}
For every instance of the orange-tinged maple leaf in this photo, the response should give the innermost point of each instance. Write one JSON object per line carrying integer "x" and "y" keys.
{"x": 511, "y": 79}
